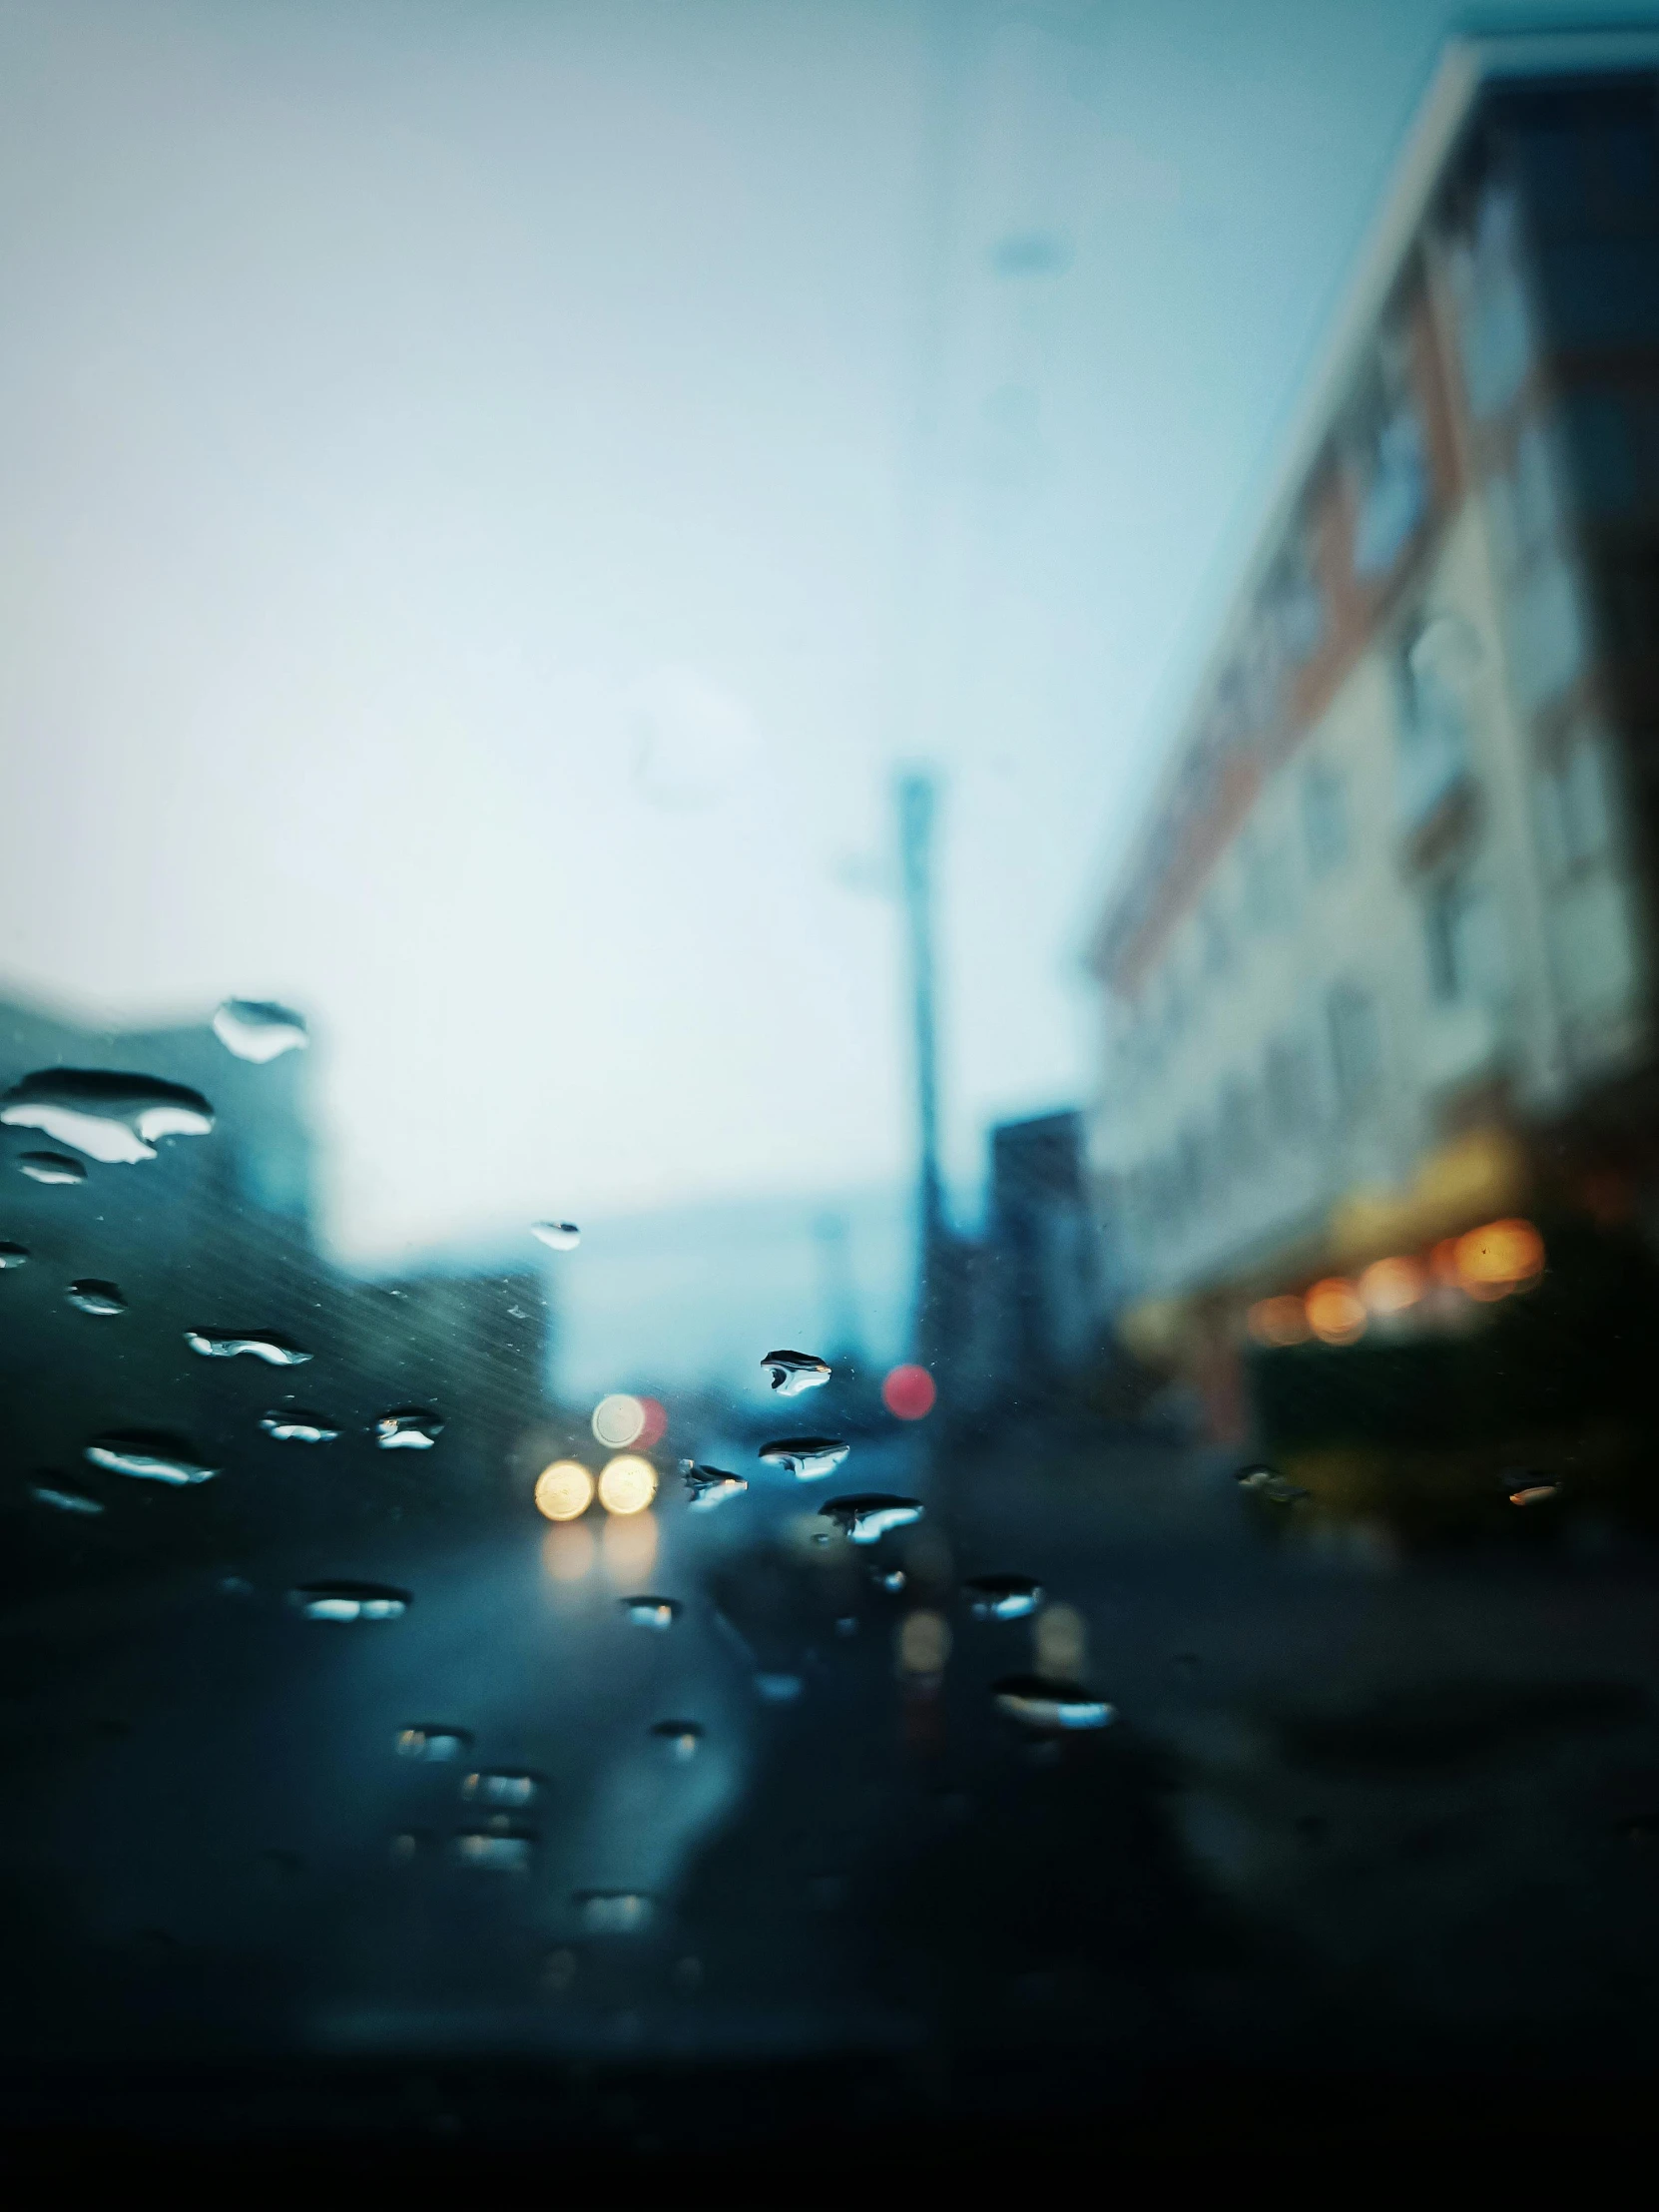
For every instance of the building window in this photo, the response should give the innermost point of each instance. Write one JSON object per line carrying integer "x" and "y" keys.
{"x": 1294, "y": 605}
{"x": 1235, "y": 1127}
{"x": 1385, "y": 441}
{"x": 1324, "y": 818}
{"x": 1493, "y": 316}
{"x": 1431, "y": 680}
{"x": 1189, "y": 1169}
{"x": 1212, "y": 930}
{"x": 1356, "y": 1044}
{"x": 1287, "y": 1088}
{"x": 1574, "y": 817}
{"x": 1449, "y": 913}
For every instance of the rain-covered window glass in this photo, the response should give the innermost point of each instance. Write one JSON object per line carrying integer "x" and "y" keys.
{"x": 828, "y": 1098}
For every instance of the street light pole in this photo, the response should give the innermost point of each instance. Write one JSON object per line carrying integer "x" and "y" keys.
{"x": 917, "y": 798}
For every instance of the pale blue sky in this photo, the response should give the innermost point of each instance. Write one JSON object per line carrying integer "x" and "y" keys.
{"x": 408, "y": 409}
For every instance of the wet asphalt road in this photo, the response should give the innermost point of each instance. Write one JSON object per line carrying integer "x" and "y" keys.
{"x": 1347, "y": 1792}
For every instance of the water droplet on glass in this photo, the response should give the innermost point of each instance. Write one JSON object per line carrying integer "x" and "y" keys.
{"x": 795, "y": 1372}
{"x": 652, "y": 1612}
{"x": 1268, "y": 1482}
{"x": 149, "y": 1459}
{"x": 234, "y": 1586}
{"x": 409, "y": 1428}
{"x": 409, "y": 1844}
{"x": 1048, "y": 1703}
{"x": 63, "y": 1499}
{"x": 808, "y": 1458}
{"x": 710, "y": 1487}
{"x": 682, "y": 1735}
{"x": 351, "y": 1601}
{"x": 778, "y": 1689}
{"x": 297, "y": 1427}
{"x": 94, "y": 1297}
{"x": 496, "y": 1851}
{"x": 562, "y": 1235}
{"x": 496, "y": 1786}
{"x": 848, "y": 1625}
{"x": 1534, "y": 1493}
{"x": 1003, "y": 1597}
{"x": 259, "y": 1344}
{"x": 257, "y": 1029}
{"x": 107, "y": 1116}
{"x": 890, "y": 1578}
{"x": 614, "y": 1912}
{"x": 866, "y": 1519}
{"x": 50, "y": 1167}
{"x": 13, "y": 1255}
{"x": 435, "y": 1744}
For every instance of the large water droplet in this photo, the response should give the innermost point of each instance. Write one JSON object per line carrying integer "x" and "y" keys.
{"x": 62, "y": 1499}
{"x": 496, "y": 1851}
{"x": 866, "y": 1519}
{"x": 50, "y": 1167}
{"x": 1047, "y": 1703}
{"x": 13, "y": 1255}
{"x": 682, "y": 1735}
{"x": 710, "y": 1487}
{"x": 257, "y": 1029}
{"x": 1003, "y": 1597}
{"x": 563, "y": 1236}
{"x": 778, "y": 1689}
{"x": 351, "y": 1601}
{"x": 106, "y": 1115}
{"x": 795, "y": 1372}
{"x": 614, "y": 1912}
{"x": 409, "y": 1428}
{"x": 652, "y": 1612}
{"x": 94, "y": 1297}
{"x": 892, "y": 1578}
{"x": 498, "y": 1786}
{"x": 433, "y": 1743}
{"x": 808, "y": 1458}
{"x": 274, "y": 1350}
{"x": 292, "y": 1426}
{"x": 1536, "y": 1493}
{"x": 148, "y": 1458}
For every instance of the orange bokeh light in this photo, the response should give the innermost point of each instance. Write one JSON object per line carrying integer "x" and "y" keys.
{"x": 1336, "y": 1311}
{"x": 1390, "y": 1286}
{"x": 1278, "y": 1320}
{"x": 1500, "y": 1255}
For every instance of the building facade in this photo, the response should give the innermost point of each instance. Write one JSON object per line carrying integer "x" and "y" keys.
{"x": 1379, "y": 973}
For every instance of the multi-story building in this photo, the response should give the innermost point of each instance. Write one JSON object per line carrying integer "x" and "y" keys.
{"x": 1381, "y": 967}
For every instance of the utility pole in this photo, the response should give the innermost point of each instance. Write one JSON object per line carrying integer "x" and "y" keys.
{"x": 917, "y": 796}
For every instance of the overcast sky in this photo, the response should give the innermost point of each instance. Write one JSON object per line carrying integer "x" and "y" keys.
{"x": 489, "y": 491}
